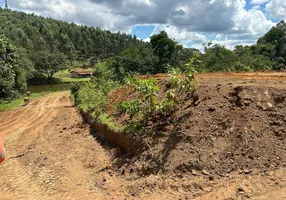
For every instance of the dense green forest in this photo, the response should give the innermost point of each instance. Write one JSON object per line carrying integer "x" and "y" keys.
{"x": 34, "y": 48}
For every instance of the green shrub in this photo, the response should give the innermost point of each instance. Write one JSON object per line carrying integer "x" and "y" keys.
{"x": 131, "y": 107}
{"x": 91, "y": 97}
{"x": 148, "y": 105}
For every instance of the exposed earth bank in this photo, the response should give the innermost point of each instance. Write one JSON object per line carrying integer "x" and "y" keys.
{"x": 230, "y": 125}
{"x": 229, "y": 143}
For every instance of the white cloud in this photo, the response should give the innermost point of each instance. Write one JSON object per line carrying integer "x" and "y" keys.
{"x": 146, "y": 40}
{"x": 249, "y": 26}
{"x": 277, "y": 8}
{"x": 181, "y": 35}
{"x": 45, "y": 7}
{"x": 231, "y": 43}
{"x": 250, "y": 23}
{"x": 259, "y": 1}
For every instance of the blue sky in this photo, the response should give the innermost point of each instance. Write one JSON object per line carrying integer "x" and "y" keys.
{"x": 189, "y": 22}
{"x": 144, "y": 32}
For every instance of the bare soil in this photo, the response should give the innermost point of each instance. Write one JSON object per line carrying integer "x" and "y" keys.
{"x": 227, "y": 143}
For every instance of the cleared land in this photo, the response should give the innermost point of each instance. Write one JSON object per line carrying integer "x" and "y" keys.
{"x": 53, "y": 154}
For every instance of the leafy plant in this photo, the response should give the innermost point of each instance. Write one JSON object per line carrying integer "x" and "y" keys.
{"x": 182, "y": 83}
{"x": 130, "y": 107}
{"x": 91, "y": 97}
{"x": 148, "y": 105}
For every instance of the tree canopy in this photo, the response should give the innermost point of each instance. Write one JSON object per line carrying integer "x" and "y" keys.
{"x": 12, "y": 76}
{"x": 49, "y": 63}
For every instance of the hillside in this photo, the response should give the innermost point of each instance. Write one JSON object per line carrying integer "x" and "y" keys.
{"x": 36, "y": 33}
{"x": 155, "y": 120}
{"x": 38, "y": 47}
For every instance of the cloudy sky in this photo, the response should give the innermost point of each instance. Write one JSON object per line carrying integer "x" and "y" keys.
{"x": 190, "y": 22}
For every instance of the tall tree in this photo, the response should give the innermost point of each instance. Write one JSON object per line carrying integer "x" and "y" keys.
{"x": 164, "y": 48}
{"x": 12, "y": 76}
{"x": 218, "y": 58}
{"x": 49, "y": 63}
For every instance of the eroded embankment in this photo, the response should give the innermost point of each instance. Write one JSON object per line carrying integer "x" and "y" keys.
{"x": 232, "y": 126}
{"x": 115, "y": 138}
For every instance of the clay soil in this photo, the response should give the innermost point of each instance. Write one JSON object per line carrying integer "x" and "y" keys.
{"x": 229, "y": 142}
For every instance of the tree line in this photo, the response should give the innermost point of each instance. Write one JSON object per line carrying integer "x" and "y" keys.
{"x": 269, "y": 53}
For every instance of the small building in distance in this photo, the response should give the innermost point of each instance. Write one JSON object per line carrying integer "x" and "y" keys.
{"x": 80, "y": 74}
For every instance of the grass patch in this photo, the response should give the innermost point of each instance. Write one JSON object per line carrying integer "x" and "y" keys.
{"x": 106, "y": 120}
{"x": 62, "y": 73}
{"x": 6, "y": 105}
{"x": 73, "y": 80}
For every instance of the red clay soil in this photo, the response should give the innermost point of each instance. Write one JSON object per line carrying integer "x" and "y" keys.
{"x": 236, "y": 124}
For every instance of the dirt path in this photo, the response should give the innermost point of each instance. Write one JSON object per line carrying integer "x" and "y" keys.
{"x": 53, "y": 155}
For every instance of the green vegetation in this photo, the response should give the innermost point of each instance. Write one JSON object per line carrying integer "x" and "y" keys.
{"x": 43, "y": 46}
{"x": 49, "y": 63}
{"x": 273, "y": 46}
{"x": 147, "y": 103}
{"x": 139, "y": 60}
{"x": 218, "y": 58}
{"x": 161, "y": 57}
{"x": 110, "y": 122}
{"x": 148, "y": 106}
{"x": 12, "y": 75}
{"x": 78, "y": 43}
{"x": 73, "y": 80}
{"x": 91, "y": 97}
{"x": 164, "y": 48}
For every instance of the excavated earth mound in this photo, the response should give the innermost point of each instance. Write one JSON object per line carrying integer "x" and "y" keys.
{"x": 234, "y": 124}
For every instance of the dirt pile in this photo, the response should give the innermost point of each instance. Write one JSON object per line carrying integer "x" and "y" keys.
{"x": 231, "y": 126}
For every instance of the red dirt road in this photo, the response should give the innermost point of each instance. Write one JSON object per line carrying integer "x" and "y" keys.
{"x": 53, "y": 155}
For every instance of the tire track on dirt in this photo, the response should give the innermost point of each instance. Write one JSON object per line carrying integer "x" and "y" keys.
{"x": 19, "y": 187}
{"x": 28, "y": 116}
{"x": 52, "y": 158}
{"x": 18, "y": 183}
{"x": 16, "y": 114}
{"x": 19, "y": 114}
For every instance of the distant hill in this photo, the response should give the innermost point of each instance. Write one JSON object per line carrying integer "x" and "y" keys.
{"x": 36, "y": 33}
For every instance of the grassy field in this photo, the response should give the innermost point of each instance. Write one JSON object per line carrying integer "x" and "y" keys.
{"x": 73, "y": 80}
{"x": 6, "y": 105}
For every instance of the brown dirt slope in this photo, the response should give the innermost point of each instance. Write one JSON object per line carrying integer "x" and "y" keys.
{"x": 236, "y": 124}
